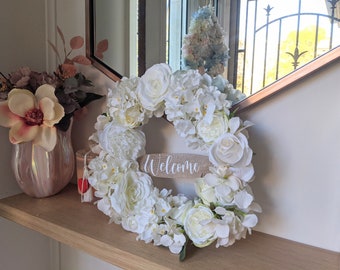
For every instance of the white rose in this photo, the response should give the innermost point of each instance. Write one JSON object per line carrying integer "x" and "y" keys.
{"x": 199, "y": 227}
{"x": 153, "y": 86}
{"x": 133, "y": 192}
{"x": 209, "y": 132}
{"x": 230, "y": 149}
{"x": 122, "y": 142}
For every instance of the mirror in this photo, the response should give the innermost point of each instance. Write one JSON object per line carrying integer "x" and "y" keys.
{"x": 111, "y": 36}
{"x": 304, "y": 55}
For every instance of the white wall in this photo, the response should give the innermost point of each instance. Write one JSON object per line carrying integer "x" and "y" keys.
{"x": 22, "y": 43}
{"x": 22, "y": 36}
{"x": 21, "y": 248}
{"x": 295, "y": 139}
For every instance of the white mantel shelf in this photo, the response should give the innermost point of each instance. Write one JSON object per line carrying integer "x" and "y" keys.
{"x": 80, "y": 225}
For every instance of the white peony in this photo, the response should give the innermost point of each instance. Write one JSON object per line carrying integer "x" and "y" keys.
{"x": 153, "y": 87}
{"x": 122, "y": 142}
{"x": 199, "y": 225}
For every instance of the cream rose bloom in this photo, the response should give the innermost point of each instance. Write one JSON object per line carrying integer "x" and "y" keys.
{"x": 153, "y": 87}
{"x": 132, "y": 193}
{"x": 232, "y": 150}
{"x": 32, "y": 117}
{"x": 209, "y": 132}
{"x": 199, "y": 225}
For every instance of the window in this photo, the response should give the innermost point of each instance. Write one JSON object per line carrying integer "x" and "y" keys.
{"x": 267, "y": 39}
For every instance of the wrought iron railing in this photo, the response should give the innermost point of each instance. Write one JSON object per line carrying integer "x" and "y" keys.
{"x": 268, "y": 50}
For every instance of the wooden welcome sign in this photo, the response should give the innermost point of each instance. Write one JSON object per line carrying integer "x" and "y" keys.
{"x": 176, "y": 165}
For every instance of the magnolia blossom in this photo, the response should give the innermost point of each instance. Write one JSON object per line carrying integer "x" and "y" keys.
{"x": 153, "y": 87}
{"x": 32, "y": 117}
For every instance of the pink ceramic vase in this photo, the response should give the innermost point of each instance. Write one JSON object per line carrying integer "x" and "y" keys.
{"x": 40, "y": 173}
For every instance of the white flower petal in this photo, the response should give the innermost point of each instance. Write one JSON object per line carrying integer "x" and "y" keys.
{"x": 250, "y": 221}
{"x": 243, "y": 199}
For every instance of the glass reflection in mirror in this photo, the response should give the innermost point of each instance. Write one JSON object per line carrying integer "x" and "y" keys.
{"x": 114, "y": 31}
{"x": 267, "y": 39}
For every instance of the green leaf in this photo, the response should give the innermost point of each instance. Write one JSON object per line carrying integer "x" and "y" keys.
{"x": 183, "y": 253}
{"x": 89, "y": 98}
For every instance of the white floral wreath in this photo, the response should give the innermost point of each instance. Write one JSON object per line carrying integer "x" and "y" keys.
{"x": 224, "y": 207}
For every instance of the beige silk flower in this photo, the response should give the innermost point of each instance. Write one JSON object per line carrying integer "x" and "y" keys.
{"x": 32, "y": 117}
